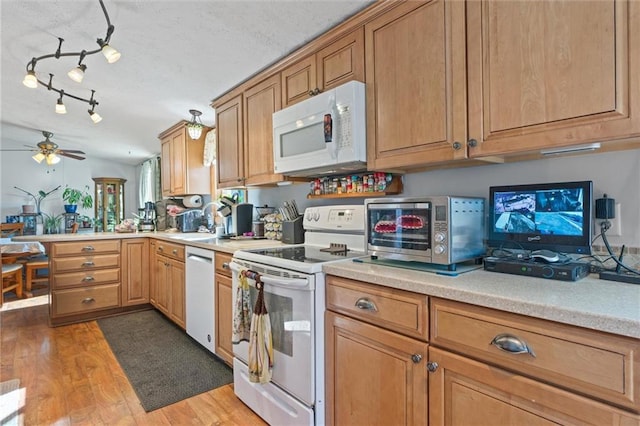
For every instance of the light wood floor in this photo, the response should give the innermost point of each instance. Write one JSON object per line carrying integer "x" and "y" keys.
{"x": 71, "y": 377}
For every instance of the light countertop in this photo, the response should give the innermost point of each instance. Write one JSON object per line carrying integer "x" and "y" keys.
{"x": 590, "y": 302}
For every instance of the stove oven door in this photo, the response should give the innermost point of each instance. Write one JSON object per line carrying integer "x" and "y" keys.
{"x": 289, "y": 297}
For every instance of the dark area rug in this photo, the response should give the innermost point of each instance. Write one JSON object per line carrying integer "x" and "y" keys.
{"x": 164, "y": 365}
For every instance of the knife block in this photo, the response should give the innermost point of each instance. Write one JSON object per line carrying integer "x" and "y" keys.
{"x": 292, "y": 231}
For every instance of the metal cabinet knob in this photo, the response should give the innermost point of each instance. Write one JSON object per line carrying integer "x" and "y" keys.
{"x": 175, "y": 251}
{"x": 314, "y": 92}
{"x": 511, "y": 344}
{"x": 366, "y": 305}
{"x": 225, "y": 265}
{"x": 416, "y": 358}
{"x": 432, "y": 367}
{"x": 457, "y": 145}
{"x": 472, "y": 143}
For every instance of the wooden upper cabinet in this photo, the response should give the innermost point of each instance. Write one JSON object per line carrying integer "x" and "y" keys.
{"x": 416, "y": 88}
{"x": 230, "y": 149}
{"x": 551, "y": 73}
{"x": 333, "y": 65}
{"x": 260, "y": 102}
{"x": 182, "y": 158}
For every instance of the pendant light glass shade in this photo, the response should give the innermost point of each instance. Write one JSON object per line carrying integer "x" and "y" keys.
{"x": 39, "y": 157}
{"x": 60, "y": 108}
{"x": 77, "y": 74}
{"x": 195, "y": 126}
{"x": 110, "y": 53}
{"x": 30, "y": 80}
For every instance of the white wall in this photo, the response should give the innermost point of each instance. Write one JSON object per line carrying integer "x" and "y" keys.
{"x": 19, "y": 169}
{"x": 616, "y": 173}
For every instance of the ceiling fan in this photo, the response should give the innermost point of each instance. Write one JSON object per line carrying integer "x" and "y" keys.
{"x": 50, "y": 152}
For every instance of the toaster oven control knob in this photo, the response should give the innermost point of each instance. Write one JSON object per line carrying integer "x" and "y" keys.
{"x": 439, "y": 237}
{"x": 439, "y": 249}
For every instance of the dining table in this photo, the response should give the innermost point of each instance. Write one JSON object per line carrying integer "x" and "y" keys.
{"x": 10, "y": 251}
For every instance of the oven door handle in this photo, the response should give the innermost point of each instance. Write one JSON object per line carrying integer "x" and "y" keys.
{"x": 273, "y": 280}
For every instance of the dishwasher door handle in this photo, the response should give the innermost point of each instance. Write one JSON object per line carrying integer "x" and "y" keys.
{"x": 200, "y": 258}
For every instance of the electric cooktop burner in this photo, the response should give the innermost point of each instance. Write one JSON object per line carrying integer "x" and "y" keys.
{"x": 307, "y": 254}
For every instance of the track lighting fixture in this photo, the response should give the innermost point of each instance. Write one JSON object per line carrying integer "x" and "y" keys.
{"x": 194, "y": 127}
{"x": 60, "y": 108}
{"x": 76, "y": 74}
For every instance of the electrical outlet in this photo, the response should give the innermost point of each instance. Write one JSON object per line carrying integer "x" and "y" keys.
{"x": 616, "y": 228}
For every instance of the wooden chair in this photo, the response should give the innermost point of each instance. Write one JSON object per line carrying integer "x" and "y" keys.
{"x": 8, "y": 230}
{"x": 11, "y": 280}
{"x": 33, "y": 265}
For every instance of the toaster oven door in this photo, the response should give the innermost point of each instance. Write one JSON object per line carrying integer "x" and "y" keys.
{"x": 400, "y": 230}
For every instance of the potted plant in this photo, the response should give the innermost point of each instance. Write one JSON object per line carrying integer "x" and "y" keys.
{"x": 41, "y": 196}
{"x": 73, "y": 197}
{"x": 85, "y": 221}
{"x": 51, "y": 223}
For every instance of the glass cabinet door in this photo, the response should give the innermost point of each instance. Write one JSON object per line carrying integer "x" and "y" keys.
{"x": 109, "y": 204}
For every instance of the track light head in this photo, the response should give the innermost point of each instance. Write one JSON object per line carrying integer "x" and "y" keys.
{"x": 60, "y": 108}
{"x": 30, "y": 80}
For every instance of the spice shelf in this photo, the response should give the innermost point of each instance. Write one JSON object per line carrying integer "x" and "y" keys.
{"x": 394, "y": 187}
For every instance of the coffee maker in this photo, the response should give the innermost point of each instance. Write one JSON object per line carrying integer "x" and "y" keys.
{"x": 148, "y": 220}
{"x": 241, "y": 219}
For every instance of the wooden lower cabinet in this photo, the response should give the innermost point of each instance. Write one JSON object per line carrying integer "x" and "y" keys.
{"x": 465, "y": 392}
{"x": 167, "y": 290}
{"x": 224, "y": 308}
{"x": 135, "y": 268}
{"x": 373, "y": 376}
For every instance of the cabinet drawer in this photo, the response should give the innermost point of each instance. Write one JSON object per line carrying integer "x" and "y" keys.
{"x": 221, "y": 260}
{"x": 75, "y": 301}
{"x": 175, "y": 251}
{"x": 82, "y": 279}
{"x": 85, "y": 247}
{"x": 85, "y": 263}
{"x": 397, "y": 310}
{"x": 593, "y": 363}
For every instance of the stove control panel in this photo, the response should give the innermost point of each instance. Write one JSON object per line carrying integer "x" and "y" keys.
{"x": 334, "y": 218}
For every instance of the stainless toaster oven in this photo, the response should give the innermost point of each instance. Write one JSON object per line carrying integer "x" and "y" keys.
{"x": 442, "y": 230}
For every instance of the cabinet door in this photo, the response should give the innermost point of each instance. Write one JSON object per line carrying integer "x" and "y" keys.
{"x": 135, "y": 267}
{"x": 230, "y": 152}
{"x": 162, "y": 284}
{"x": 224, "y": 304}
{"x": 165, "y": 165}
{"x": 416, "y": 88}
{"x": 466, "y": 392}
{"x": 341, "y": 61}
{"x": 178, "y": 163}
{"x": 177, "y": 299}
{"x": 551, "y": 73}
{"x": 298, "y": 80}
{"x": 260, "y": 102}
{"x": 371, "y": 376}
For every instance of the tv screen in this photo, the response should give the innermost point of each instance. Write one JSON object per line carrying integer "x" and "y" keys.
{"x": 550, "y": 216}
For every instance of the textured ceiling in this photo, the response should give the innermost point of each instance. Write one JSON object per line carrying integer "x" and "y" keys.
{"x": 176, "y": 55}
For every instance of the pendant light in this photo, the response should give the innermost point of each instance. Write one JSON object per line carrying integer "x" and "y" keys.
{"x": 195, "y": 126}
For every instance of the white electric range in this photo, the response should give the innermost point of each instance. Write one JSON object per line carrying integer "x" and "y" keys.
{"x": 295, "y": 299}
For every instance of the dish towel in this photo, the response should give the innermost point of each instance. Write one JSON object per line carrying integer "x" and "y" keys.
{"x": 241, "y": 311}
{"x": 260, "y": 343}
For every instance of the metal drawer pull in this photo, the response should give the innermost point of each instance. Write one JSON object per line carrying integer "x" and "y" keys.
{"x": 175, "y": 251}
{"x": 512, "y": 344}
{"x": 88, "y": 248}
{"x": 225, "y": 265}
{"x": 366, "y": 305}
{"x": 88, "y": 278}
{"x": 88, "y": 300}
{"x": 88, "y": 263}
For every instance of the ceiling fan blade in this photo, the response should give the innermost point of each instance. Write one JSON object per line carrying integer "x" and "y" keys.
{"x": 18, "y": 149}
{"x": 72, "y": 151}
{"x": 66, "y": 154}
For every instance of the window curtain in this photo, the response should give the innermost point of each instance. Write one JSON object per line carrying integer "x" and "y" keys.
{"x": 149, "y": 189}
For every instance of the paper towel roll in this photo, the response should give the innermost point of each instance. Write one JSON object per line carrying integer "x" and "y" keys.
{"x": 192, "y": 201}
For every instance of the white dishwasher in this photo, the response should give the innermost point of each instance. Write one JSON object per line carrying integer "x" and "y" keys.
{"x": 200, "y": 294}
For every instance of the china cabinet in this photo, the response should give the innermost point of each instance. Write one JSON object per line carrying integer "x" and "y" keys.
{"x": 109, "y": 205}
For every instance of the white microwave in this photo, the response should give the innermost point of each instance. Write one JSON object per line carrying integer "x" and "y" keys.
{"x": 325, "y": 134}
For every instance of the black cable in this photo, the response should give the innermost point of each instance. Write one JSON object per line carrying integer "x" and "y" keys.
{"x": 603, "y": 233}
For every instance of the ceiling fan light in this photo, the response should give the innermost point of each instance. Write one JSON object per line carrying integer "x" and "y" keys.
{"x": 111, "y": 54}
{"x": 30, "y": 80}
{"x": 95, "y": 117}
{"x": 52, "y": 159}
{"x": 77, "y": 74}
{"x": 39, "y": 157}
{"x": 60, "y": 108}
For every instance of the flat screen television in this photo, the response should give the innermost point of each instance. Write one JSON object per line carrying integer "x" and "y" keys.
{"x": 549, "y": 216}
